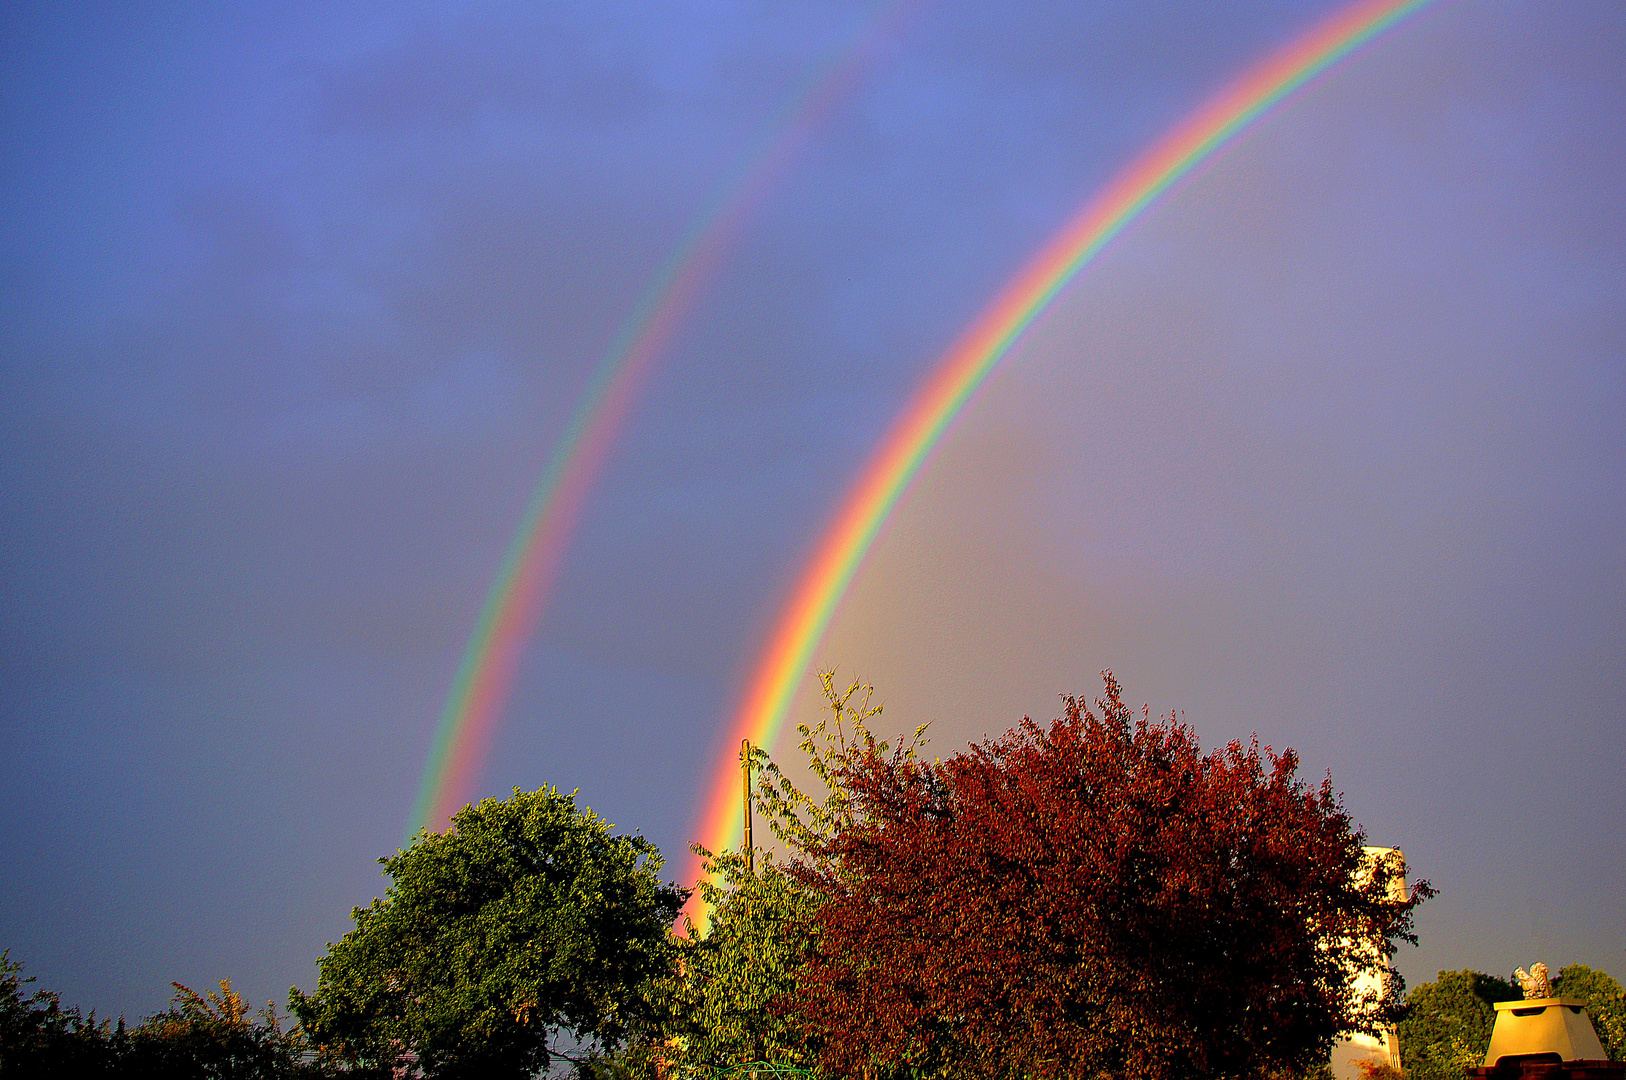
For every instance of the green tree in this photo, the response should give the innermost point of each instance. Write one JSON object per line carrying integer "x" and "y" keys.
{"x": 200, "y": 1037}
{"x": 1605, "y": 1003}
{"x": 526, "y": 932}
{"x": 801, "y": 820}
{"x": 738, "y": 975}
{"x": 724, "y": 1000}
{"x": 739, "y": 971}
{"x": 1448, "y": 1022}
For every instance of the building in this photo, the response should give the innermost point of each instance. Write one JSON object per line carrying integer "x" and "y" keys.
{"x": 1353, "y": 1050}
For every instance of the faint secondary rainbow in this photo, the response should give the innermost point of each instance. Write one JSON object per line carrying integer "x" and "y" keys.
{"x": 531, "y": 564}
{"x": 968, "y": 362}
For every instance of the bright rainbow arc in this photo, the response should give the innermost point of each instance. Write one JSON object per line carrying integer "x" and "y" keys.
{"x": 968, "y": 363}
{"x": 531, "y": 564}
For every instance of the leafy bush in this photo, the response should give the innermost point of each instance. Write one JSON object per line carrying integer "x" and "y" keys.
{"x": 1448, "y": 1023}
{"x": 38, "y": 1037}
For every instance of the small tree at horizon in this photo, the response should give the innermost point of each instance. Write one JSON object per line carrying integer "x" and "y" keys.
{"x": 200, "y": 1035}
{"x": 1447, "y": 1026}
{"x": 216, "y": 1034}
{"x": 40, "y": 1037}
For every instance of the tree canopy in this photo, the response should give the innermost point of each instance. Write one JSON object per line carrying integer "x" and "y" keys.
{"x": 1095, "y": 896}
{"x": 527, "y": 931}
{"x": 39, "y": 1037}
{"x": 210, "y": 1035}
{"x": 1605, "y": 1003}
{"x": 1448, "y": 1022}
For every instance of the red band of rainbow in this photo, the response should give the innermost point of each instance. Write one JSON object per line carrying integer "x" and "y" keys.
{"x": 968, "y": 362}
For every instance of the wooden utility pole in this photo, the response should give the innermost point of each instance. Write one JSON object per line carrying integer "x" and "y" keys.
{"x": 745, "y": 766}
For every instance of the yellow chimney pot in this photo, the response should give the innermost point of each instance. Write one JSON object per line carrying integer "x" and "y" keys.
{"x": 1550, "y": 1025}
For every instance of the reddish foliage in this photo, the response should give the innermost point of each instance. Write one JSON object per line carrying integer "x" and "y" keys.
{"x": 1098, "y": 897}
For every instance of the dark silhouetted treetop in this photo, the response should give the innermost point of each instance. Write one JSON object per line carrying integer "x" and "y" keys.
{"x": 211, "y": 1036}
{"x": 39, "y": 1037}
{"x": 215, "y": 1035}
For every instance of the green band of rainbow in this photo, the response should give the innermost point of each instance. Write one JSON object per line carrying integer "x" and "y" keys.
{"x": 968, "y": 363}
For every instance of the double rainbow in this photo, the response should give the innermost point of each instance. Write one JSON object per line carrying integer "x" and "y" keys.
{"x": 968, "y": 362}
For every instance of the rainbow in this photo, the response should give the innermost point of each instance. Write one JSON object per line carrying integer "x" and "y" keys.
{"x": 514, "y": 603}
{"x": 974, "y": 355}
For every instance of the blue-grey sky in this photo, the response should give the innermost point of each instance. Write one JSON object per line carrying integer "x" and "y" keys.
{"x": 294, "y": 304}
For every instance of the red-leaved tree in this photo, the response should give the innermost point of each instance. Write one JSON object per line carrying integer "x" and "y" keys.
{"x": 1095, "y": 898}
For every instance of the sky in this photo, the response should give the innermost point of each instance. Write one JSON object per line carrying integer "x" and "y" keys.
{"x": 295, "y": 303}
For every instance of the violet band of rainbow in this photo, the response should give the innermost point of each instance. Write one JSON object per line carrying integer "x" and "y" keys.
{"x": 967, "y": 364}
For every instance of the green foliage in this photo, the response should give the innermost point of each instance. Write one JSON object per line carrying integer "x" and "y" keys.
{"x": 1448, "y": 1023}
{"x": 800, "y": 820}
{"x": 725, "y": 999}
{"x": 527, "y": 932}
{"x": 1605, "y": 1003}
{"x": 726, "y": 1004}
